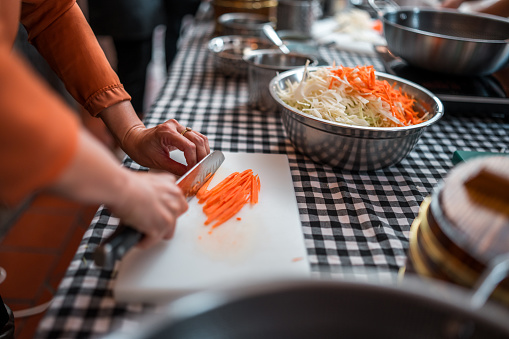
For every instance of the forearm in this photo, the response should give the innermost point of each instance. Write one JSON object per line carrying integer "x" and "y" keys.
{"x": 93, "y": 176}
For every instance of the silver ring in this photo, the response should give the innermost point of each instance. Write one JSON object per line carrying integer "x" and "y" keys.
{"x": 186, "y": 130}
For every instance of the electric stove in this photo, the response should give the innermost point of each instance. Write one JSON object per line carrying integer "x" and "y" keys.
{"x": 478, "y": 95}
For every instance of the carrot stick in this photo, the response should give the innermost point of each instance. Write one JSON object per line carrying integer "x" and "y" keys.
{"x": 362, "y": 80}
{"x": 228, "y": 197}
{"x": 203, "y": 189}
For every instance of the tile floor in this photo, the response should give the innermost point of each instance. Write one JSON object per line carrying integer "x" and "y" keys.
{"x": 37, "y": 250}
{"x": 36, "y": 253}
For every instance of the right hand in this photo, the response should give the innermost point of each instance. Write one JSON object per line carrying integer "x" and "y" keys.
{"x": 151, "y": 203}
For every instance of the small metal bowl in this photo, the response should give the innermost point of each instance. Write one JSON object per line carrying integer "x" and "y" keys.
{"x": 354, "y": 148}
{"x": 243, "y": 24}
{"x": 228, "y": 52}
{"x": 263, "y": 65}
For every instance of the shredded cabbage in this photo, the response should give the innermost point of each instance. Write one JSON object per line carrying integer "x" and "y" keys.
{"x": 319, "y": 95}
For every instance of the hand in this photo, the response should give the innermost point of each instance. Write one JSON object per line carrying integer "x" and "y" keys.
{"x": 150, "y": 147}
{"x": 151, "y": 203}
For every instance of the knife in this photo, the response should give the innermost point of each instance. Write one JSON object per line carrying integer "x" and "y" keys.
{"x": 125, "y": 237}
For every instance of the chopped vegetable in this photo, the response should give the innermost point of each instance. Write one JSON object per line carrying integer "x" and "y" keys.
{"x": 228, "y": 197}
{"x": 351, "y": 95}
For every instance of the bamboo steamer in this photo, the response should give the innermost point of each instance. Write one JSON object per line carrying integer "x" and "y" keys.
{"x": 464, "y": 225}
{"x": 261, "y": 7}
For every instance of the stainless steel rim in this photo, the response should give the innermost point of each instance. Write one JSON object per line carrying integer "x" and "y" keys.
{"x": 432, "y": 120}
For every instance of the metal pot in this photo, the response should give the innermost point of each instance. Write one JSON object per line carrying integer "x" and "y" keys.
{"x": 263, "y": 65}
{"x": 311, "y": 309}
{"x": 446, "y": 41}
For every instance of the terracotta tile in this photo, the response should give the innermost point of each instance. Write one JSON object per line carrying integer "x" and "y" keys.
{"x": 88, "y": 213}
{"x": 26, "y": 327}
{"x": 26, "y": 274}
{"x": 40, "y": 230}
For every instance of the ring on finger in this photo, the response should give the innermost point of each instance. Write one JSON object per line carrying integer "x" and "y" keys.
{"x": 186, "y": 130}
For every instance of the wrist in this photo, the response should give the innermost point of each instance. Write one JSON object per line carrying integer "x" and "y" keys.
{"x": 121, "y": 120}
{"x": 130, "y": 138}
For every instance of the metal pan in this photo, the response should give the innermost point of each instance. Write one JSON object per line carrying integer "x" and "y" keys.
{"x": 308, "y": 309}
{"x": 446, "y": 41}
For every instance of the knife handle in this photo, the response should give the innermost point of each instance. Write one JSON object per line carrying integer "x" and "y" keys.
{"x": 116, "y": 246}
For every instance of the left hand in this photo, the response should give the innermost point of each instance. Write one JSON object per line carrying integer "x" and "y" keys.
{"x": 150, "y": 147}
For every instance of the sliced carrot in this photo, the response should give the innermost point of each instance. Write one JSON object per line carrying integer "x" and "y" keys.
{"x": 362, "y": 80}
{"x": 203, "y": 190}
{"x": 218, "y": 186}
{"x": 229, "y": 196}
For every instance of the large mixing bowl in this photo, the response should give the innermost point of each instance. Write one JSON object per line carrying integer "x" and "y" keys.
{"x": 354, "y": 148}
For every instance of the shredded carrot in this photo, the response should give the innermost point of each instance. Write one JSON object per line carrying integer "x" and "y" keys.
{"x": 378, "y": 26}
{"x": 228, "y": 197}
{"x": 364, "y": 82}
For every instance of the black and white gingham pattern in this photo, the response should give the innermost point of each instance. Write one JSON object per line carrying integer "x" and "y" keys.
{"x": 348, "y": 219}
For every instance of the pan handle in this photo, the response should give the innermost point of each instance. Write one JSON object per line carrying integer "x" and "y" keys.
{"x": 497, "y": 271}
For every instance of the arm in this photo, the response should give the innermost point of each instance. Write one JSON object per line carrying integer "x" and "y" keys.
{"x": 43, "y": 147}
{"x": 62, "y": 35}
{"x": 151, "y": 147}
{"x": 148, "y": 202}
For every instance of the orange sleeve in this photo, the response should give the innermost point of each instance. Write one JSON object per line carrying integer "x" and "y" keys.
{"x": 38, "y": 133}
{"x": 61, "y": 34}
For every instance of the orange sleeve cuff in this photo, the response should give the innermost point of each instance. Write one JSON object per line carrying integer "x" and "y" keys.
{"x": 105, "y": 98}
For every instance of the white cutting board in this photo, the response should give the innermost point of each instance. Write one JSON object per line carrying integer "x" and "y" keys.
{"x": 267, "y": 243}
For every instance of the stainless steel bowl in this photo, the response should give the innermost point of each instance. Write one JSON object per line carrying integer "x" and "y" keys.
{"x": 263, "y": 65}
{"x": 249, "y": 24}
{"x": 228, "y": 52}
{"x": 354, "y": 148}
{"x": 448, "y": 41}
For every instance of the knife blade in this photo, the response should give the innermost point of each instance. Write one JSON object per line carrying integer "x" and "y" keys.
{"x": 125, "y": 236}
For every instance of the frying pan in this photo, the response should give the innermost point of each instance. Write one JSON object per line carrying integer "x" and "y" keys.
{"x": 445, "y": 41}
{"x": 328, "y": 308}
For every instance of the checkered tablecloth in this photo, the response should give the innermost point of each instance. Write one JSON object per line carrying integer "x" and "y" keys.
{"x": 348, "y": 219}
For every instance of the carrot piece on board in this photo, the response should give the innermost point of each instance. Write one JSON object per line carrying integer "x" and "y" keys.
{"x": 228, "y": 197}
{"x": 203, "y": 190}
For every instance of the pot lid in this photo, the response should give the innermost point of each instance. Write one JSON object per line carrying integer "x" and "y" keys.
{"x": 473, "y": 207}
